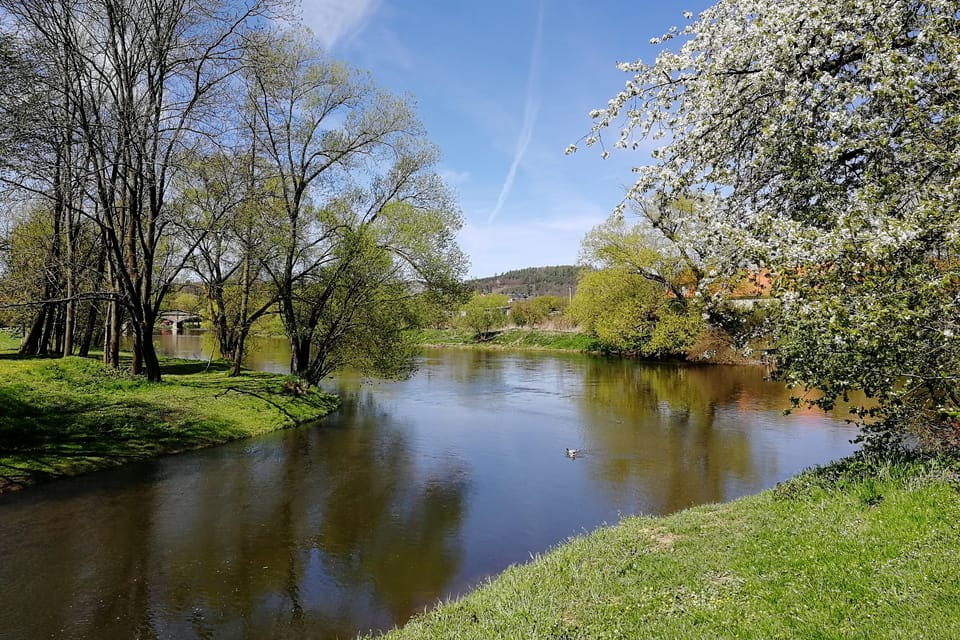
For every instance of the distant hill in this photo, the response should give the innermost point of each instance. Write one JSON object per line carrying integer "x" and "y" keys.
{"x": 532, "y": 281}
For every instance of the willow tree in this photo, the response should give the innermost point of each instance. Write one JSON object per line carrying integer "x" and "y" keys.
{"x": 365, "y": 219}
{"x": 823, "y": 139}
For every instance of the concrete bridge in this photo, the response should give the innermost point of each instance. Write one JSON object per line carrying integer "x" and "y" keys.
{"x": 177, "y": 318}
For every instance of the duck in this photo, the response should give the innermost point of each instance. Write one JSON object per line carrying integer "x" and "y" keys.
{"x": 572, "y": 453}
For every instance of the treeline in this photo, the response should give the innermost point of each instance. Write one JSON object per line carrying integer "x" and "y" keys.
{"x": 530, "y": 282}
{"x": 142, "y": 143}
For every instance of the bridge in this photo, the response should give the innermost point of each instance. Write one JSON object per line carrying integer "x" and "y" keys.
{"x": 177, "y": 318}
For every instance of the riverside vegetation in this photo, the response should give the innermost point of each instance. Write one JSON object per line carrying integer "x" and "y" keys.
{"x": 528, "y": 339}
{"x": 72, "y": 415}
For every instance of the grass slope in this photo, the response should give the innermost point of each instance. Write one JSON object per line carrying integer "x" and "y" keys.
{"x": 827, "y": 555}
{"x": 67, "y": 416}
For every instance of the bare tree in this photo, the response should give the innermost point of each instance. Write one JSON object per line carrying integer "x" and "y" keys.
{"x": 141, "y": 82}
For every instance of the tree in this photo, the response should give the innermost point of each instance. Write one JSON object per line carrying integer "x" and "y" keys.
{"x": 644, "y": 250}
{"x": 228, "y": 208}
{"x": 629, "y": 313}
{"x": 520, "y": 313}
{"x": 351, "y": 166}
{"x": 821, "y": 139}
{"x": 485, "y": 313}
{"x": 134, "y": 85}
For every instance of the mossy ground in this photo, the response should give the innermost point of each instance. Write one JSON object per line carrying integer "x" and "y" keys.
{"x": 67, "y": 416}
{"x": 835, "y": 554}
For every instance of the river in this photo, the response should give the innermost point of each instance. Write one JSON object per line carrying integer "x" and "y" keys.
{"x": 414, "y": 492}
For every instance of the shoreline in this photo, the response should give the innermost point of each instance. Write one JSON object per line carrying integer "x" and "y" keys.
{"x": 853, "y": 549}
{"x": 543, "y": 340}
{"x": 65, "y": 417}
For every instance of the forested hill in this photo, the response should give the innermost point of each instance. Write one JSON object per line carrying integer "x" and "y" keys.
{"x": 532, "y": 281}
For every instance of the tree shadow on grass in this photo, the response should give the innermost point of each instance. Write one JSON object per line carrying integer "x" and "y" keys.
{"x": 13, "y": 355}
{"x": 43, "y": 438}
{"x": 189, "y": 367}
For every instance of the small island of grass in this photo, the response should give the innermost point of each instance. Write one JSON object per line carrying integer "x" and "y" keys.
{"x": 72, "y": 415}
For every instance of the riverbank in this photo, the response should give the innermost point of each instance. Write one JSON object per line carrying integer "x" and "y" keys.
{"x": 63, "y": 417}
{"x": 526, "y": 339}
{"x": 853, "y": 550}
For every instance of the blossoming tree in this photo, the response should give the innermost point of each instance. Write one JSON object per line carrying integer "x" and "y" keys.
{"x": 820, "y": 140}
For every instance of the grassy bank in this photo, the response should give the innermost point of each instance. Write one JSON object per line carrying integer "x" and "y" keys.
{"x": 534, "y": 339}
{"x": 62, "y": 417}
{"x": 836, "y": 554}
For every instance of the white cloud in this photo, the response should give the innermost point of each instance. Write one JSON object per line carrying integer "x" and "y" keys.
{"x": 502, "y": 246}
{"x": 335, "y": 20}
{"x": 453, "y": 177}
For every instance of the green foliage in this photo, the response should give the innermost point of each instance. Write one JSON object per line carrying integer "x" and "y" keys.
{"x": 510, "y": 339}
{"x": 644, "y": 248}
{"x": 629, "y": 313}
{"x": 535, "y": 311}
{"x": 520, "y": 313}
{"x": 24, "y": 275}
{"x": 9, "y": 339}
{"x": 890, "y": 332}
{"x": 542, "y": 307}
{"x": 673, "y": 333}
{"x": 184, "y": 301}
{"x": 483, "y": 314}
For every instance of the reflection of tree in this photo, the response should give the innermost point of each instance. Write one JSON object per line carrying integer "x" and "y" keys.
{"x": 470, "y": 365}
{"x": 382, "y": 522}
{"x": 339, "y": 530}
{"x": 62, "y": 564}
{"x": 656, "y": 426}
{"x": 311, "y": 534}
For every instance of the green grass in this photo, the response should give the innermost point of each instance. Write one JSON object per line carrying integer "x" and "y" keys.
{"x": 9, "y": 340}
{"x": 533, "y": 339}
{"x": 67, "y": 416}
{"x": 832, "y": 554}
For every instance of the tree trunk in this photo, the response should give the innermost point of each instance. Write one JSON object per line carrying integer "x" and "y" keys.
{"x": 31, "y": 342}
{"x": 111, "y": 335}
{"x": 94, "y": 311}
{"x": 299, "y": 355}
{"x": 48, "y": 329}
{"x": 239, "y": 345}
{"x": 136, "y": 357}
{"x": 69, "y": 316}
{"x": 150, "y": 361}
{"x": 90, "y": 326}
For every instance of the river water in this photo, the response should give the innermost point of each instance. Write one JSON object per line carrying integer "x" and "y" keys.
{"x": 414, "y": 492}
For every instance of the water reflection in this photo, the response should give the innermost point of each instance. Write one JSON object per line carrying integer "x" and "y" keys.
{"x": 314, "y": 534}
{"x": 412, "y": 493}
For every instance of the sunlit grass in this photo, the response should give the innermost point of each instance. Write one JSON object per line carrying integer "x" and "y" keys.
{"x": 9, "y": 340}
{"x": 71, "y": 415}
{"x": 839, "y": 554}
{"x": 510, "y": 339}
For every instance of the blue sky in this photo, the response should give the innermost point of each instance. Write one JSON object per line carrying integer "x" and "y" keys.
{"x": 503, "y": 86}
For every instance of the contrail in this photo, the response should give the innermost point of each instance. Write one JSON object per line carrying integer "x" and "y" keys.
{"x": 530, "y": 109}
